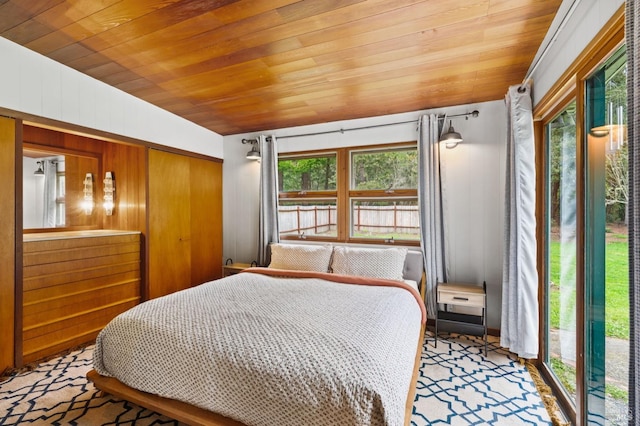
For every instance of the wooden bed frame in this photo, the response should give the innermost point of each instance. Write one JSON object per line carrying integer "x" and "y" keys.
{"x": 197, "y": 416}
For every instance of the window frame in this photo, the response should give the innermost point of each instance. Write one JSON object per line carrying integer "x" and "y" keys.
{"x": 344, "y": 194}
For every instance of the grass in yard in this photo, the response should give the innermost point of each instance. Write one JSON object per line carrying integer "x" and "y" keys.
{"x": 567, "y": 375}
{"x": 616, "y": 291}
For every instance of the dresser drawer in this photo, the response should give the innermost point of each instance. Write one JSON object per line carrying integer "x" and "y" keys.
{"x": 461, "y": 299}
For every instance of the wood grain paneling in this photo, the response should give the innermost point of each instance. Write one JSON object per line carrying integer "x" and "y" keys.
{"x": 73, "y": 285}
{"x": 169, "y": 223}
{"x": 128, "y": 165}
{"x": 206, "y": 220}
{"x": 185, "y": 222}
{"x": 247, "y": 65}
{"x": 76, "y": 169}
{"x": 9, "y": 132}
{"x": 66, "y": 141}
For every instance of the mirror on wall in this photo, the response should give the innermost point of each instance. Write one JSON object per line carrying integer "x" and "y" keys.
{"x": 53, "y": 189}
{"x": 43, "y": 191}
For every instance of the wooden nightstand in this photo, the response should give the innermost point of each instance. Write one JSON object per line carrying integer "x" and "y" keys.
{"x": 465, "y": 295}
{"x": 234, "y": 268}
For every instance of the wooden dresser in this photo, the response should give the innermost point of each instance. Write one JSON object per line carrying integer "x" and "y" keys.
{"x": 74, "y": 283}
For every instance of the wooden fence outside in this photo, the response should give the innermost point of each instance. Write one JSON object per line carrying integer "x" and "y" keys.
{"x": 314, "y": 220}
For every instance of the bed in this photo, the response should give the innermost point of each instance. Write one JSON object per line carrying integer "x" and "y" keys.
{"x": 324, "y": 336}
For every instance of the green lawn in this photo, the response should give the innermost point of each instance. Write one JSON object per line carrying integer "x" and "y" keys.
{"x": 616, "y": 291}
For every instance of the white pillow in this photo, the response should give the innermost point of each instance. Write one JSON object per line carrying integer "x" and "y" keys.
{"x": 376, "y": 263}
{"x": 301, "y": 257}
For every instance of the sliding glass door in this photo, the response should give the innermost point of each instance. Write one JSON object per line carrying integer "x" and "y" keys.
{"x": 586, "y": 323}
{"x": 561, "y": 249}
{"x": 606, "y": 244}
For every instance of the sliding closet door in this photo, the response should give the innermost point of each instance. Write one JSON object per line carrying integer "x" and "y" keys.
{"x": 185, "y": 222}
{"x": 169, "y": 223}
{"x": 206, "y": 220}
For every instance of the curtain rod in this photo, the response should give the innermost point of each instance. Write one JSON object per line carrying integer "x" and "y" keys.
{"x": 554, "y": 37}
{"x": 474, "y": 113}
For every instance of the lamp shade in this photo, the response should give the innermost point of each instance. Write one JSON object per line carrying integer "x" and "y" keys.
{"x": 254, "y": 154}
{"x": 451, "y": 138}
{"x": 40, "y": 171}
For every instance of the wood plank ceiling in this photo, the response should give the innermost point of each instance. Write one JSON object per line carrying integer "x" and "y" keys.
{"x": 250, "y": 65}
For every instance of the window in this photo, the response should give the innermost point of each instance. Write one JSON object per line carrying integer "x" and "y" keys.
{"x": 308, "y": 196}
{"x": 303, "y": 174}
{"x": 372, "y": 197}
{"x": 384, "y": 194}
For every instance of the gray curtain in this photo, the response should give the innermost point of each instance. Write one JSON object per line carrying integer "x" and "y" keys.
{"x": 633, "y": 129}
{"x": 430, "y": 201}
{"x": 268, "y": 230}
{"x": 49, "y": 194}
{"x": 519, "y": 328}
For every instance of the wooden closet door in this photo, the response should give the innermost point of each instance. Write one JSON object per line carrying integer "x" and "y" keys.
{"x": 169, "y": 223}
{"x": 206, "y": 220}
{"x": 9, "y": 134}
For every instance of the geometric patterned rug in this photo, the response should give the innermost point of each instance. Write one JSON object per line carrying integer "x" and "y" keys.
{"x": 458, "y": 385}
{"x": 57, "y": 392}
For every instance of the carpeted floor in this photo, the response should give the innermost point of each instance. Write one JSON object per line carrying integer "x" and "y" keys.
{"x": 458, "y": 385}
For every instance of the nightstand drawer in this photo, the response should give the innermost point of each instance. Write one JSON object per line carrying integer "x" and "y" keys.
{"x": 461, "y": 295}
{"x": 461, "y": 299}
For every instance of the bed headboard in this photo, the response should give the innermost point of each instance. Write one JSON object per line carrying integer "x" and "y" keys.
{"x": 413, "y": 266}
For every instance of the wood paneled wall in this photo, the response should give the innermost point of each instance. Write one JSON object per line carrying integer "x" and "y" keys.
{"x": 72, "y": 287}
{"x": 53, "y": 138}
{"x": 76, "y": 168}
{"x": 74, "y": 284}
{"x": 126, "y": 162}
{"x": 129, "y": 168}
{"x": 9, "y": 141}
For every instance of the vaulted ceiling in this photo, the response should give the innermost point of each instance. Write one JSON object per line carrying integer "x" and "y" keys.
{"x": 249, "y": 65}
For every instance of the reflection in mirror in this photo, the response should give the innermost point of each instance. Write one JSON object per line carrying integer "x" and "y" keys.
{"x": 52, "y": 198}
{"x": 43, "y": 186}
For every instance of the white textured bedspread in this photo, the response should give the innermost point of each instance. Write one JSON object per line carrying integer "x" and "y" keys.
{"x": 272, "y": 351}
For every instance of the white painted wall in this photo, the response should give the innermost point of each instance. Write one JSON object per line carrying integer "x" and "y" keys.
{"x": 33, "y": 84}
{"x": 588, "y": 18}
{"x": 474, "y": 175}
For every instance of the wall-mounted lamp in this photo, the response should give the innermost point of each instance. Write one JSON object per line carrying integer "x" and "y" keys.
{"x": 451, "y": 138}
{"x": 87, "y": 191}
{"x": 109, "y": 193}
{"x": 40, "y": 171}
{"x": 254, "y": 153}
